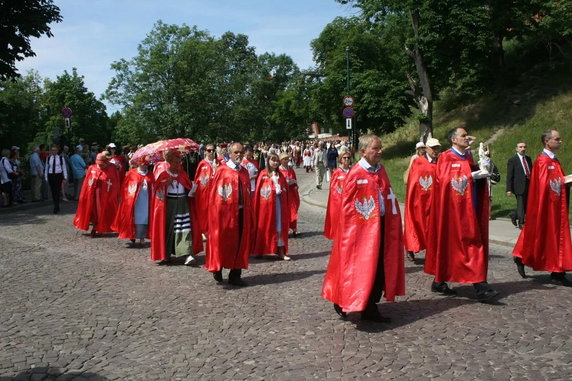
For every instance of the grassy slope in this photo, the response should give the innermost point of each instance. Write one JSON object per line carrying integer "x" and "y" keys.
{"x": 542, "y": 101}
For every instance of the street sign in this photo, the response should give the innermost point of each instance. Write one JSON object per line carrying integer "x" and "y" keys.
{"x": 348, "y": 100}
{"x": 67, "y": 112}
{"x": 348, "y": 123}
{"x": 348, "y": 112}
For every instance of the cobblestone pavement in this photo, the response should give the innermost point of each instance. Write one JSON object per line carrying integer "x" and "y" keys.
{"x": 73, "y": 307}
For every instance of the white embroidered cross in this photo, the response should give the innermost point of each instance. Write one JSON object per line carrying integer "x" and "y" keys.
{"x": 109, "y": 184}
{"x": 393, "y": 201}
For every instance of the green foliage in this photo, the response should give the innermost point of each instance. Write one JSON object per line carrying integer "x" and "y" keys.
{"x": 20, "y": 20}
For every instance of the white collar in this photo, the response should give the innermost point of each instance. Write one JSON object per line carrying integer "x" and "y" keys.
{"x": 550, "y": 154}
{"x": 231, "y": 164}
{"x": 365, "y": 165}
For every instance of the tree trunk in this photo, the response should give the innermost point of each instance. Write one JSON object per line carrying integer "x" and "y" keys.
{"x": 426, "y": 97}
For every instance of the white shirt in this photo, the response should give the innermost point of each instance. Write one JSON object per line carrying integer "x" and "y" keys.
{"x": 60, "y": 166}
{"x": 550, "y": 154}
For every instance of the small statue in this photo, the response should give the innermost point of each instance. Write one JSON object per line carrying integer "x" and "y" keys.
{"x": 484, "y": 161}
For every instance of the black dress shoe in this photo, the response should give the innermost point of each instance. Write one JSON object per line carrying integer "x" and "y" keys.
{"x": 410, "y": 256}
{"x": 375, "y": 317}
{"x": 513, "y": 218}
{"x": 236, "y": 281}
{"x": 442, "y": 288}
{"x": 519, "y": 266}
{"x": 217, "y": 275}
{"x": 560, "y": 278}
{"x": 486, "y": 295}
{"x": 340, "y": 312}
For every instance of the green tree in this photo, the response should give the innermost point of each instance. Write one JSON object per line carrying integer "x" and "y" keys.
{"x": 20, "y": 20}
{"x": 20, "y": 105}
{"x": 89, "y": 120}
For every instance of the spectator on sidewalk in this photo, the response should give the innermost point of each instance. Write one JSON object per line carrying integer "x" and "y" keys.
{"x": 519, "y": 168}
{"x": 6, "y": 175}
{"x": 37, "y": 174}
{"x": 79, "y": 166}
{"x": 55, "y": 174}
{"x": 319, "y": 164}
{"x": 18, "y": 179}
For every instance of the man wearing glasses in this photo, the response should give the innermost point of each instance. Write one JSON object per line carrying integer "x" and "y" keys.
{"x": 230, "y": 219}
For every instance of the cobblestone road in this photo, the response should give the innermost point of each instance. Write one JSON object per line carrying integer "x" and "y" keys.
{"x": 73, "y": 307}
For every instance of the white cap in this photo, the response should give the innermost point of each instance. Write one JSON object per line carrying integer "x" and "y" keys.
{"x": 15, "y": 148}
{"x": 419, "y": 145}
{"x": 432, "y": 142}
{"x": 112, "y": 145}
{"x": 79, "y": 147}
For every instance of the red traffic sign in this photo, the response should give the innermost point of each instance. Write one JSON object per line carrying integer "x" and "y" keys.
{"x": 67, "y": 112}
{"x": 348, "y": 100}
{"x": 348, "y": 112}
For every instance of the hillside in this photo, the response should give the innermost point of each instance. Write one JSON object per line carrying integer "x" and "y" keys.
{"x": 541, "y": 101}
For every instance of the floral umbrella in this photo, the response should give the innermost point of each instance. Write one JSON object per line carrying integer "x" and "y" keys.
{"x": 153, "y": 152}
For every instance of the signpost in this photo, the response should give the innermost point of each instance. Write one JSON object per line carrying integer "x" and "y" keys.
{"x": 67, "y": 114}
{"x": 349, "y": 113}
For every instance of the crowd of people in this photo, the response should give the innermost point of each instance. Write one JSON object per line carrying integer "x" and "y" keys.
{"x": 234, "y": 201}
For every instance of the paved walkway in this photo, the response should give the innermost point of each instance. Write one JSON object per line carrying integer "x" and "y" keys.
{"x": 75, "y": 307}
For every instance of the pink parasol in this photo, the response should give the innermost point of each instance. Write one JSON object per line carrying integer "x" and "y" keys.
{"x": 153, "y": 152}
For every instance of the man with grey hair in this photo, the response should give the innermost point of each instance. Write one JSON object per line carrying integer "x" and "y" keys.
{"x": 37, "y": 173}
{"x": 230, "y": 219}
{"x": 544, "y": 243}
{"x": 319, "y": 164}
{"x": 367, "y": 257}
{"x": 459, "y": 222}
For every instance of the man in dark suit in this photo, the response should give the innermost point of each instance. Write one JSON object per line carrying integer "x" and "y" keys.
{"x": 517, "y": 180}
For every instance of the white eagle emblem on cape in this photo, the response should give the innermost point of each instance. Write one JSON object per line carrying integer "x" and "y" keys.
{"x": 204, "y": 180}
{"x": 339, "y": 190}
{"x": 460, "y": 184}
{"x": 426, "y": 182}
{"x": 90, "y": 182}
{"x": 556, "y": 186}
{"x": 132, "y": 188}
{"x": 366, "y": 207}
{"x": 225, "y": 191}
{"x": 265, "y": 192}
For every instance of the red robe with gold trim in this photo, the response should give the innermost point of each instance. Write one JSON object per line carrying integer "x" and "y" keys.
{"x": 124, "y": 223}
{"x": 98, "y": 199}
{"x": 266, "y": 241}
{"x": 354, "y": 260}
{"x": 159, "y": 212}
{"x": 203, "y": 177}
{"x": 418, "y": 201}
{"x": 293, "y": 197}
{"x": 226, "y": 247}
{"x": 458, "y": 250}
{"x": 331, "y": 224}
{"x": 544, "y": 243}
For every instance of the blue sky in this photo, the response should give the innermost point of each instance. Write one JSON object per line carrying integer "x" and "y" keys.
{"x": 95, "y": 33}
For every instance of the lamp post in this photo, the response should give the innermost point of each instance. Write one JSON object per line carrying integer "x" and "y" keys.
{"x": 353, "y": 131}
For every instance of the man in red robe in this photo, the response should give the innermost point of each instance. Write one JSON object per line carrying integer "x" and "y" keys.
{"x": 419, "y": 198}
{"x": 367, "y": 257}
{"x": 203, "y": 176}
{"x": 230, "y": 219}
{"x": 459, "y": 221}
{"x": 544, "y": 243}
{"x": 99, "y": 197}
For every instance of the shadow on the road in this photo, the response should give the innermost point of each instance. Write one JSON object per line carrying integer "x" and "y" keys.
{"x": 33, "y": 215}
{"x": 50, "y": 373}
{"x": 276, "y": 278}
{"x": 307, "y": 234}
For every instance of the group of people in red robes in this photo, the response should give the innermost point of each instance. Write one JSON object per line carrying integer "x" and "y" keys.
{"x": 446, "y": 214}
{"x": 236, "y": 208}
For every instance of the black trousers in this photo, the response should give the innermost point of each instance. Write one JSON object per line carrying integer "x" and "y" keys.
{"x": 378, "y": 284}
{"x": 55, "y": 182}
{"x": 521, "y": 207}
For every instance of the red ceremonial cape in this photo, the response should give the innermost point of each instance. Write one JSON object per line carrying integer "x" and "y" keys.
{"x": 203, "y": 177}
{"x": 266, "y": 241}
{"x": 159, "y": 213}
{"x": 225, "y": 248}
{"x": 293, "y": 197}
{"x": 544, "y": 243}
{"x": 337, "y": 181}
{"x": 459, "y": 247}
{"x": 124, "y": 223}
{"x": 98, "y": 199}
{"x": 353, "y": 264}
{"x": 418, "y": 201}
